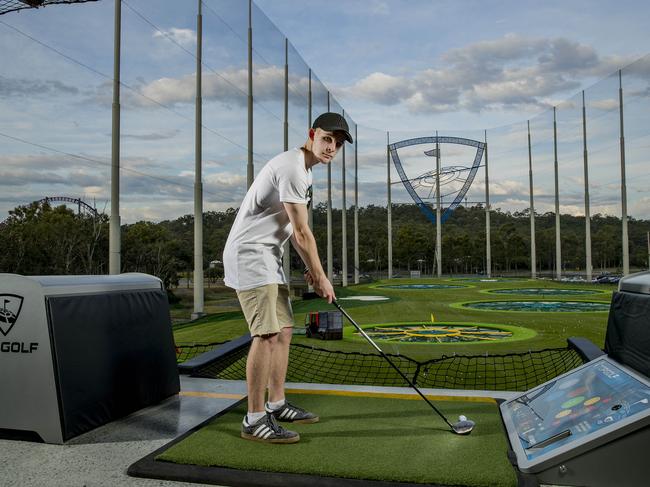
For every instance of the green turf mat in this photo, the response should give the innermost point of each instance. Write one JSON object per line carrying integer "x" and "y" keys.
{"x": 361, "y": 437}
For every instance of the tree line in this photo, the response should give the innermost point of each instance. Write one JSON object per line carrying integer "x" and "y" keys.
{"x": 39, "y": 239}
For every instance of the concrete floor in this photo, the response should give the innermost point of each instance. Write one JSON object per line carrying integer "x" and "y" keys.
{"x": 102, "y": 456}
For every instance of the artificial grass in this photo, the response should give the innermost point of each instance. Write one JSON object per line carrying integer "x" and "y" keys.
{"x": 361, "y": 437}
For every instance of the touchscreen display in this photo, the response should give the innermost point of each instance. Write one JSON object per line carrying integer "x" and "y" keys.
{"x": 570, "y": 408}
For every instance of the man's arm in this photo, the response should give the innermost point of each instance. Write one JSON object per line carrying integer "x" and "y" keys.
{"x": 305, "y": 244}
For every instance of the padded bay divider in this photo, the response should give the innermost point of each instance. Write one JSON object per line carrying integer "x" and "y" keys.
{"x": 628, "y": 331}
{"x": 585, "y": 347}
{"x": 114, "y": 354}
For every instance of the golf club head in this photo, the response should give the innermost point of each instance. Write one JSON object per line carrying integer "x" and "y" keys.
{"x": 463, "y": 427}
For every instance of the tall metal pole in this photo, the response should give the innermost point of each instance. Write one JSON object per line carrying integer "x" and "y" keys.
{"x": 356, "y": 207}
{"x": 588, "y": 263}
{"x": 488, "y": 245}
{"x": 533, "y": 250}
{"x": 330, "y": 249}
{"x": 558, "y": 244}
{"x": 286, "y": 94}
{"x": 310, "y": 209}
{"x": 198, "y": 180}
{"x": 114, "y": 242}
{"x": 286, "y": 256}
{"x": 389, "y": 209}
{"x": 625, "y": 243}
{"x": 648, "y": 237}
{"x": 250, "y": 170}
{"x": 309, "y": 121}
{"x": 344, "y": 226}
{"x": 438, "y": 213}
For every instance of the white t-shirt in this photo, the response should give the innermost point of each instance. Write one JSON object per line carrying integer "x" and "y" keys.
{"x": 253, "y": 253}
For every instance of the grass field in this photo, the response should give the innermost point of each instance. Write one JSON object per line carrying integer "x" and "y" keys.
{"x": 377, "y": 438}
{"x": 225, "y": 320}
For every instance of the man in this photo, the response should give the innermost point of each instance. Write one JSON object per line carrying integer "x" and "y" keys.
{"x": 274, "y": 210}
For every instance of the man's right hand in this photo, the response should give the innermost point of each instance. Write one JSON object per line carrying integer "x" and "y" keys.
{"x": 324, "y": 289}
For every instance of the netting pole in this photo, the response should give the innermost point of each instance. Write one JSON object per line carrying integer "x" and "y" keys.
{"x": 198, "y": 183}
{"x": 309, "y": 109}
{"x": 286, "y": 256}
{"x": 438, "y": 213}
{"x": 533, "y": 250}
{"x": 250, "y": 170}
{"x": 356, "y": 207}
{"x": 344, "y": 225}
{"x": 625, "y": 242}
{"x": 558, "y": 243}
{"x": 488, "y": 247}
{"x": 310, "y": 210}
{"x": 389, "y": 208}
{"x": 114, "y": 258}
{"x": 588, "y": 263}
{"x": 330, "y": 250}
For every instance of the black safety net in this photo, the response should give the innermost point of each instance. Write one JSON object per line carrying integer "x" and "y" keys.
{"x": 186, "y": 351}
{"x": 508, "y": 372}
{"x": 7, "y": 6}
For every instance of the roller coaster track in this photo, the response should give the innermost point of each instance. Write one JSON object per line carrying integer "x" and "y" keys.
{"x": 66, "y": 199}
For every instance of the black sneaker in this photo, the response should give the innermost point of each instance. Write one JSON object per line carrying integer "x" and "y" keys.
{"x": 267, "y": 430}
{"x": 292, "y": 414}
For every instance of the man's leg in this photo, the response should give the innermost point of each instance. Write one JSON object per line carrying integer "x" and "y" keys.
{"x": 279, "y": 362}
{"x": 258, "y": 424}
{"x": 259, "y": 365}
{"x": 277, "y": 405}
{"x": 259, "y": 309}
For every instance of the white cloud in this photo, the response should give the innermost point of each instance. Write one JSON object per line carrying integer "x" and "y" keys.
{"x": 512, "y": 72}
{"x": 168, "y": 91}
{"x": 184, "y": 37}
{"x": 224, "y": 179}
{"x": 379, "y": 8}
{"x": 169, "y": 134}
{"x": 382, "y": 88}
{"x": 606, "y": 105}
{"x": 641, "y": 208}
{"x": 229, "y": 86}
{"x": 507, "y": 187}
{"x": 11, "y": 87}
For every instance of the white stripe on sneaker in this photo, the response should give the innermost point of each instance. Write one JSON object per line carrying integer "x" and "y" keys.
{"x": 284, "y": 413}
{"x": 261, "y": 430}
{"x": 293, "y": 414}
{"x": 269, "y": 433}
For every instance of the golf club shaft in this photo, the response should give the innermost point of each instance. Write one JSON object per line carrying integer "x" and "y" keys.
{"x": 370, "y": 340}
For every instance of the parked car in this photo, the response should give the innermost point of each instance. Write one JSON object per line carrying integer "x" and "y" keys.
{"x": 606, "y": 278}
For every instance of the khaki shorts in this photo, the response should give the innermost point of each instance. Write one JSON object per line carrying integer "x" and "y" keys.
{"x": 267, "y": 308}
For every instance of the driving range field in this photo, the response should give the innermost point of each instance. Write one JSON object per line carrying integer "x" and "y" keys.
{"x": 431, "y": 302}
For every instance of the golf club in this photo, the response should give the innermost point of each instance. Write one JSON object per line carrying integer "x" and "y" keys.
{"x": 463, "y": 426}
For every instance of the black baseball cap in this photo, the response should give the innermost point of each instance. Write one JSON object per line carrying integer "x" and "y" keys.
{"x": 333, "y": 122}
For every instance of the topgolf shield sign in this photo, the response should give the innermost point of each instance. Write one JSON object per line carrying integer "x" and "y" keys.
{"x": 10, "y": 306}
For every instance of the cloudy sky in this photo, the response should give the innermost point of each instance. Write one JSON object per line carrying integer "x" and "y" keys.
{"x": 410, "y": 67}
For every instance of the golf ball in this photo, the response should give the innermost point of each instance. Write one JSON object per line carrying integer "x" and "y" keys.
{"x": 462, "y": 418}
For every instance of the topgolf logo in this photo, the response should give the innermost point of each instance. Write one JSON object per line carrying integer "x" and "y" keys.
{"x": 10, "y": 306}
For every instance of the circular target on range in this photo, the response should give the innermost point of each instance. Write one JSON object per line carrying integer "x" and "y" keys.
{"x": 443, "y": 332}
